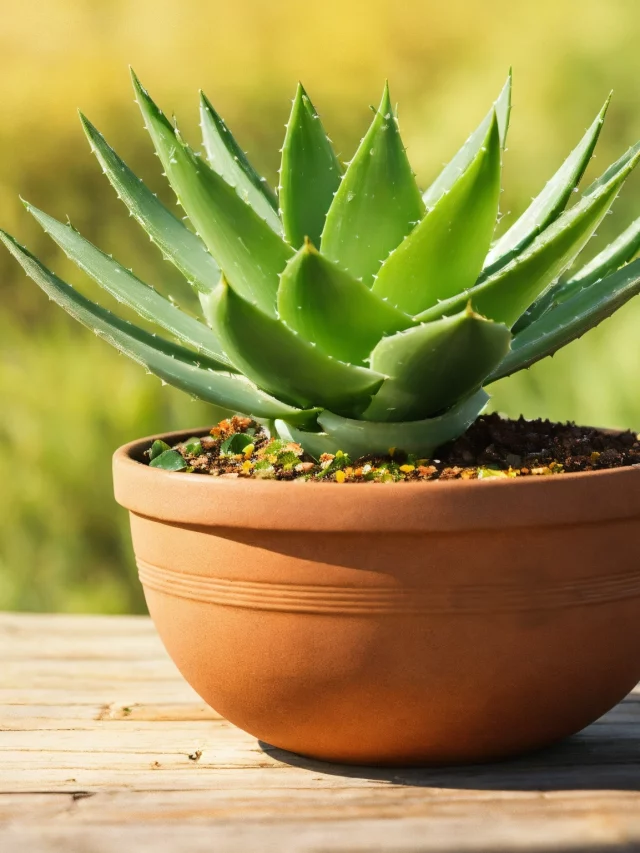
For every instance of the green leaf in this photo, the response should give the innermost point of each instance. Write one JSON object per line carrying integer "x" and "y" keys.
{"x": 170, "y": 460}
{"x": 432, "y": 366}
{"x": 229, "y": 160}
{"x": 157, "y": 448}
{"x": 377, "y": 203}
{"x": 615, "y": 169}
{"x": 177, "y": 243}
{"x": 172, "y": 363}
{"x": 128, "y": 289}
{"x": 443, "y": 255}
{"x": 506, "y": 295}
{"x": 570, "y": 320}
{"x": 282, "y": 363}
{"x": 235, "y": 444}
{"x": 324, "y": 304}
{"x": 549, "y": 203}
{"x": 616, "y": 254}
{"x": 309, "y": 175}
{"x": 460, "y": 163}
{"x": 362, "y": 438}
{"x": 622, "y": 250}
{"x": 193, "y": 445}
{"x": 249, "y": 252}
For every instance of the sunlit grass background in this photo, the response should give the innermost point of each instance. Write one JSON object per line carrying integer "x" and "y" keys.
{"x": 66, "y": 399}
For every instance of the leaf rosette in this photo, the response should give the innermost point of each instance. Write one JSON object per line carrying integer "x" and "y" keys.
{"x": 348, "y": 310}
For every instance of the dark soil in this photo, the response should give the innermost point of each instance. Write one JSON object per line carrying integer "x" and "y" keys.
{"x": 491, "y": 447}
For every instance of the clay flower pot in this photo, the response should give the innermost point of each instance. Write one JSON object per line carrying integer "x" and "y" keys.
{"x": 394, "y": 624}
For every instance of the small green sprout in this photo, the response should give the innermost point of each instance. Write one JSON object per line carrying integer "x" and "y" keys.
{"x": 170, "y": 460}
{"x": 236, "y": 444}
{"x": 158, "y": 447}
{"x": 193, "y": 446}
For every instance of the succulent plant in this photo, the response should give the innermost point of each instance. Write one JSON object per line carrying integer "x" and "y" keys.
{"x": 351, "y": 311}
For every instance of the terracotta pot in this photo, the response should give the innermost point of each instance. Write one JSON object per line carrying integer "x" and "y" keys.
{"x": 406, "y": 623}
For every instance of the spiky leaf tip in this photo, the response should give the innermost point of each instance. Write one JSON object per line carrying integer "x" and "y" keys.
{"x": 377, "y": 203}
{"x": 228, "y": 159}
{"x": 310, "y": 173}
{"x": 444, "y": 253}
{"x": 546, "y": 207}
{"x": 506, "y": 296}
{"x": 176, "y": 242}
{"x": 460, "y": 162}
{"x": 247, "y": 250}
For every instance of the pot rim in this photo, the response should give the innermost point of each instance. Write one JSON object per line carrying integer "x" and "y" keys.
{"x": 584, "y": 497}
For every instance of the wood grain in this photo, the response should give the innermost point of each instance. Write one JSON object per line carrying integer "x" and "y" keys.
{"x": 103, "y": 747}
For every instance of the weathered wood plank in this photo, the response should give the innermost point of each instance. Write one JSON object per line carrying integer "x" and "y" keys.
{"x": 126, "y": 669}
{"x": 24, "y": 717}
{"x": 94, "y": 716}
{"x": 78, "y": 647}
{"x": 103, "y": 747}
{"x": 608, "y": 777}
{"x": 89, "y": 692}
{"x": 119, "y": 806}
{"x": 122, "y": 736}
{"x": 246, "y": 757}
{"x": 64, "y": 625}
{"x": 60, "y": 781}
{"x": 618, "y": 742}
{"x": 408, "y": 834}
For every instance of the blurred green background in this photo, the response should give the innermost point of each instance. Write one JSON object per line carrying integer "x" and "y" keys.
{"x": 67, "y": 400}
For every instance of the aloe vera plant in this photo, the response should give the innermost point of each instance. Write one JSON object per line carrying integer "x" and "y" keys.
{"x": 349, "y": 311}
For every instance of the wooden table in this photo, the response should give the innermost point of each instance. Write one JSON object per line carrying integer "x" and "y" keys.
{"x": 104, "y": 748}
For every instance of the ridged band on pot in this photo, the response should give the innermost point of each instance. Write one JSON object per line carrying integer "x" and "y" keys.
{"x": 436, "y": 599}
{"x": 394, "y": 623}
